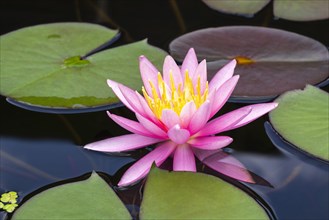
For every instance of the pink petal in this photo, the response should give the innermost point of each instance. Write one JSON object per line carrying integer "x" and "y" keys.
{"x": 169, "y": 118}
{"x": 222, "y": 94}
{"x": 184, "y": 159}
{"x": 222, "y": 76}
{"x": 257, "y": 111}
{"x": 146, "y": 110}
{"x": 141, "y": 168}
{"x": 115, "y": 87}
{"x": 130, "y": 125}
{"x": 133, "y": 99}
{"x": 224, "y": 122}
{"x": 187, "y": 113}
{"x": 210, "y": 143}
{"x": 201, "y": 72}
{"x": 200, "y": 118}
{"x": 148, "y": 73}
{"x": 151, "y": 127}
{"x": 171, "y": 66}
{"x": 178, "y": 135}
{"x": 228, "y": 166}
{"x": 190, "y": 63}
{"x": 122, "y": 143}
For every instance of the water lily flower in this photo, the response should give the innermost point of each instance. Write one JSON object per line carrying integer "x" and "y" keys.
{"x": 174, "y": 112}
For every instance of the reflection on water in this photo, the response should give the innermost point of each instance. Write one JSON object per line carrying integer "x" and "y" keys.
{"x": 300, "y": 190}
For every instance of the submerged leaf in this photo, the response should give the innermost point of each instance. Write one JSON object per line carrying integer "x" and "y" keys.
{"x": 88, "y": 199}
{"x": 302, "y": 119}
{"x": 45, "y": 65}
{"x": 273, "y": 62}
{"x": 187, "y": 195}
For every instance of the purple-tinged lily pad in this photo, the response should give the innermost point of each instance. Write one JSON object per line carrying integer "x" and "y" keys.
{"x": 295, "y": 10}
{"x": 302, "y": 118}
{"x": 270, "y": 61}
{"x": 301, "y": 10}
{"x": 240, "y": 7}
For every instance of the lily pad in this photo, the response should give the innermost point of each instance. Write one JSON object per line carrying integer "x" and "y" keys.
{"x": 187, "y": 195}
{"x": 301, "y": 10}
{"x": 88, "y": 199}
{"x": 240, "y": 7}
{"x": 302, "y": 118}
{"x": 270, "y": 61}
{"x": 50, "y": 66}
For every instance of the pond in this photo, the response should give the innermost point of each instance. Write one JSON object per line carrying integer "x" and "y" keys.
{"x": 41, "y": 150}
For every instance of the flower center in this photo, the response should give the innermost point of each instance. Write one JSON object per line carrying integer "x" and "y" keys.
{"x": 175, "y": 98}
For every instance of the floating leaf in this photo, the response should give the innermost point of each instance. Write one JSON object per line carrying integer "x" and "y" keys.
{"x": 45, "y": 65}
{"x": 302, "y": 119}
{"x": 187, "y": 195}
{"x": 9, "y": 197}
{"x": 88, "y": 199}
{"x": 241, "y": 7}
{"x": 270, "y": 61}
{"x": 301, "y": 10}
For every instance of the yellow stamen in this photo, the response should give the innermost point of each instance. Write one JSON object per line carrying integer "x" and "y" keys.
{"x": 180, "y": 95}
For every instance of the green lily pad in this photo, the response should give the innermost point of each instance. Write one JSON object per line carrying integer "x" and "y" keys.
{"x": 187, "y": 195}
{"x": 301, "y": 10}
{"x": 88, "y": 199}
{"x": 302, "y": 118}
{"x": 240, "y": 7}
{"x": 45, "y": 65}
{"x": 274, "y": 62}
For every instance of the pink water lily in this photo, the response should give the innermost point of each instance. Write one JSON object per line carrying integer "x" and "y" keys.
{"x": 174, "y": 112}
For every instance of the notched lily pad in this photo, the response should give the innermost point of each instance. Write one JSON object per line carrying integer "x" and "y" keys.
{"x": 301, "y": 10}
{"x": 240, "y": 7}
{"x": 88, "y": 199}
{"x": 187, "y": 195}
{"x": 46, "y": 65}
{"x": 302, "y": 119}
{"x": 270, "y": 61}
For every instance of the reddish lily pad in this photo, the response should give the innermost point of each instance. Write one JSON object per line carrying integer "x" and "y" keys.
{"x": 241, "y": 7}
{"x": 270, "y": 61}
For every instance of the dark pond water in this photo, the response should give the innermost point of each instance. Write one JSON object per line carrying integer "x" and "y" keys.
{"x": 38, "y": 149}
